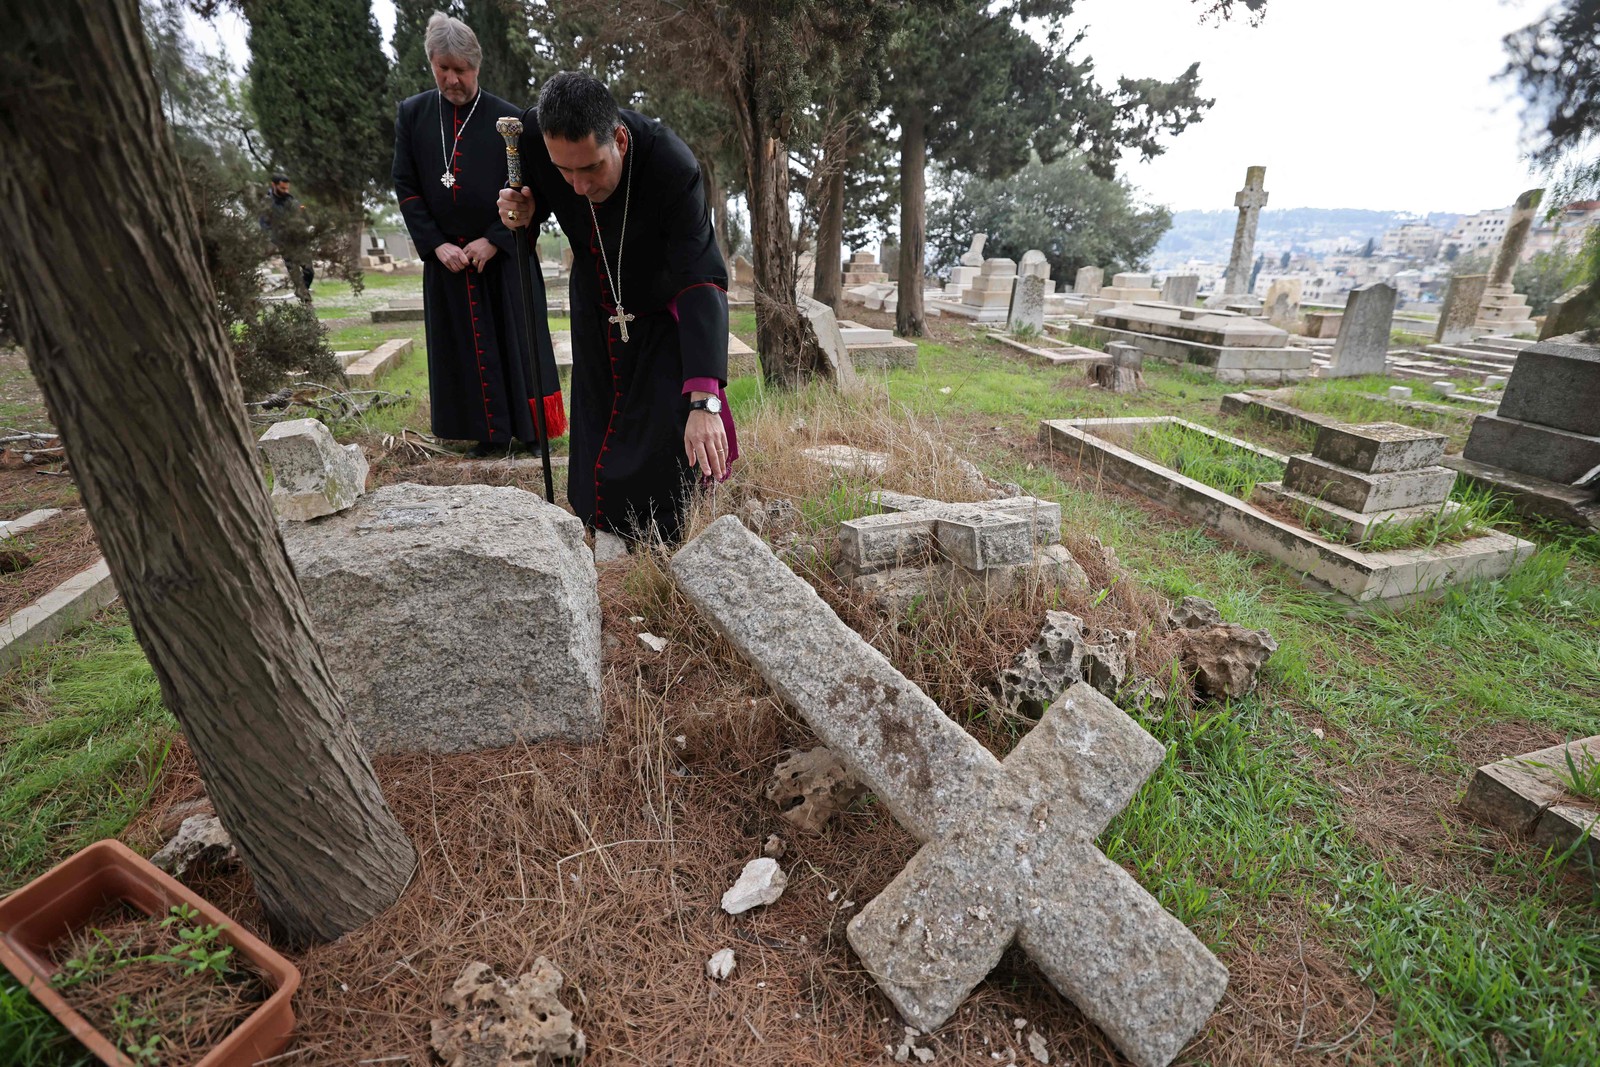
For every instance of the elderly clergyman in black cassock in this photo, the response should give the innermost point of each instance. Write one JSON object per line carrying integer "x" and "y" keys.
{"x": 649, "y": 305}
{"x": 449, "y": 163}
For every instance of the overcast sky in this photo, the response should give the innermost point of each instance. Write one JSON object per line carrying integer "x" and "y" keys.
{"x": 1386, "y": 104}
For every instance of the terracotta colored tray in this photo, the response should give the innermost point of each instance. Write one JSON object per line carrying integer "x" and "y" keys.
{"x": 65, "y": 898}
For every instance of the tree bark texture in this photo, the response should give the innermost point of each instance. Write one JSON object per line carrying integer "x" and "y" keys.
{"x": 908, "y": 318}
{"x": 717, "y": 198}
{"x": 828, "y": 284}
{"x": 100, "y": 259}
{"x": 779, "y": 337}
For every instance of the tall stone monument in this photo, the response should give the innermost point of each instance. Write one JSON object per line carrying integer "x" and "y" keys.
{"x": 1458, "y": 318}
{"x": 1502, "y": 310}
{"x": 1249, "y": 200}
{"x": 1363, "y": 344}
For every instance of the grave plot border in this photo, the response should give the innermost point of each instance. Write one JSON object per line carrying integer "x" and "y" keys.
{"x": 1067, "y": 354}
{"x": 72, "y": 602}
{"x": 1391, "y": 578}
{"x": 1525, "y": 795}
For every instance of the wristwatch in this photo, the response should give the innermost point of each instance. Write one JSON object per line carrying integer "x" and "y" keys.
{"x": 711, "y": 403}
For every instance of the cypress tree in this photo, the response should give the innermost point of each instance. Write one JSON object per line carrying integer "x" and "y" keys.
{"x": 318, "y": 85}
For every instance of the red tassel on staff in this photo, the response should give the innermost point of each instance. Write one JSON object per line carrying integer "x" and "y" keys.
{"x": 555, "y": 416}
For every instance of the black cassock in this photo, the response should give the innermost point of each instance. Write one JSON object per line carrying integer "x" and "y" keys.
{"x": 480, "y": 381}
{"x": 628, "y": 471}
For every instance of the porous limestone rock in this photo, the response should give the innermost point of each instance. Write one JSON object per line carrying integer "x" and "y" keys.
{"x": 1063, "y": 656}
{"x": 497, "y": 1023}
{"x": 1223, "y": 657}
{"x": 811, "y": 787}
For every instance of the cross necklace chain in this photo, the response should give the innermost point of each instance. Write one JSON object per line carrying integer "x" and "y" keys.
{"x": 614, "y": 281}
{"x": 448, "y": 178}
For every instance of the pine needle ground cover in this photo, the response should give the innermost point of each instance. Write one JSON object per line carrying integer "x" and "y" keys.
{"x": 1308, "y": 833}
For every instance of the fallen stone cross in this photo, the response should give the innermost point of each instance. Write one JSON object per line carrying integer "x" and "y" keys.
{"x": 1007, "y": 847}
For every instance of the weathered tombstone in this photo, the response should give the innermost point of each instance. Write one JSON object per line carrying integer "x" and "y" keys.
{"x": 1459, "y": 314}
{"x": 1180, "y": 289}
{"x": 824, "y": 326}
{"x": 1283, "y": 302}
{"x": 973, "y": 257}
{"x": 1548, "y": 422}
{"x": 455, "y": 617}
{"x": 989, "y": 295}
{"x": 1502, "y": 310}
{"x": 1573, "y": 311}
{"x": 1027, "y": 304}
{"x": 1088, "y": 281}
{"x": 312, "y": 475}
{"x": 1249, "y": 200}
{"x": 1363, "y": 344}
{"x": 1008, "y": 848}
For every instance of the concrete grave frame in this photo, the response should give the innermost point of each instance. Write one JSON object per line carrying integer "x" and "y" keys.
{"x": 1525, "y": 795}
{"x": 1390, "y": 578}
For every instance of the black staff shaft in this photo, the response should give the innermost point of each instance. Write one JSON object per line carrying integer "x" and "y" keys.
{"x": 529, "y": 335}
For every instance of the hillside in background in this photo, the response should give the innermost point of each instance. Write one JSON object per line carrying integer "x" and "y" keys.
{"x": 1208, "y": 235}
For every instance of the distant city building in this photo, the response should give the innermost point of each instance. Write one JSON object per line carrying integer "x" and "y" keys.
{"x": 1414, "y": 240}
{"x": 1480, "y": 233}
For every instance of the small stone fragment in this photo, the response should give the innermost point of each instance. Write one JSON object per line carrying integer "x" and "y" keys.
{"x": 1036, "y": 1045}
{"x": 312, "y": 475}
{"x": 497, "y": 1022}
{"x": 200, "y": 840}
{"x": 652, "y": 642}
{"x": 761, "y": 882}
{"x": 811, "y": 787}
{"x": 1062, "y": 656}
{"x": 608, "y": 547}
{"x": 1223, "y": 656}
{"x": 721, "y": 964}
{"x": 775, "y": 847}
{"x": 1194, "y": 613}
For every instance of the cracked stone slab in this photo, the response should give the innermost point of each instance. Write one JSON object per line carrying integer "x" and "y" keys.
{"x": 1008, "y": 848}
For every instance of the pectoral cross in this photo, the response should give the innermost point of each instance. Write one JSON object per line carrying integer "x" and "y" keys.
{"x": 621, "y": 318}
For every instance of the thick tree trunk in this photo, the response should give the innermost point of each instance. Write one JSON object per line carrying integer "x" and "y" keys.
{"x": 827, "y": 284}
{"x": 101, "y": 263}
{"x": 779, "y": 338}
{"x": 717, "y": 198}
{"x": 913, "y": 220}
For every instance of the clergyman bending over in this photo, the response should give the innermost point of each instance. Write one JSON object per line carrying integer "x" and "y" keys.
{"x": 649, "y": 306}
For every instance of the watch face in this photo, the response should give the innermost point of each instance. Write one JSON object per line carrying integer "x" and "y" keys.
{"x": 714, "y": 405}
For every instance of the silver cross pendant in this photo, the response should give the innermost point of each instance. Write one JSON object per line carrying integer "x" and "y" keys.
{"x": 447, "y": 180}
{"x": 621, "y": 319}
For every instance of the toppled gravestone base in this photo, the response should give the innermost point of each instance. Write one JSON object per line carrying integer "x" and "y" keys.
{"x": 919, "y": 547}
{"x": 812, "y": 787}
{"x": 312, "y": 475}
{"x": 1063, "y": 656}
{"x": 455, "y": 617}
{"x": 496, "y": 1023}
{"x": 1223, "y": 657}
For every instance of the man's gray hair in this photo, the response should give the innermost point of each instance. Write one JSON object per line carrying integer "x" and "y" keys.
{"x": 447, "y": 36}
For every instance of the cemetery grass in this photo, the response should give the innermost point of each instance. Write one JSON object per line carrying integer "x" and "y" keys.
{"x": 1308, "y": 833}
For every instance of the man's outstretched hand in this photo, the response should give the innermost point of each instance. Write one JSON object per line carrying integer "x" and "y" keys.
{"x": 519, "y": 201}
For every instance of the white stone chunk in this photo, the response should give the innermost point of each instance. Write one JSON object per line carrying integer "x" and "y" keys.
{"x": 311, "y": 475}
{"x": 1399, "y": 392}
{"x": 761, "y": 882}
{"x": 721, "y": 964}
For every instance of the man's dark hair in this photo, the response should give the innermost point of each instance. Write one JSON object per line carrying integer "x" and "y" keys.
{"x": 573, "y": 105}
{"x": 280, "y": 177}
